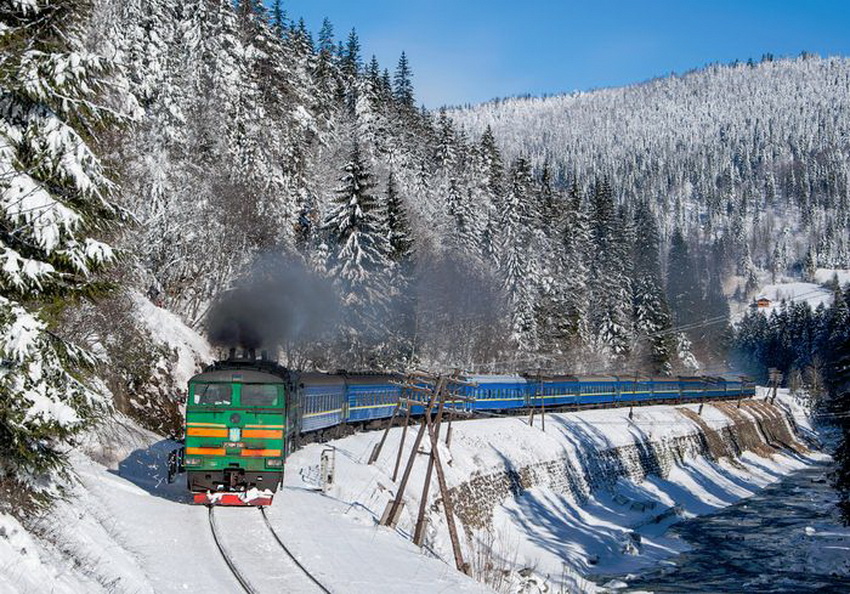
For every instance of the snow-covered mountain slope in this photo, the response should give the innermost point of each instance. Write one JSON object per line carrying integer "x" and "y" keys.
{"x": 592, "y": 494}
{"x": 727, "y": 147}
{"x": 192, "y": 350}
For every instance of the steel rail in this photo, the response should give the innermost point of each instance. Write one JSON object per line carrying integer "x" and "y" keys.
{"x": 291, "y": 556}
{"x": 246, "y": 585}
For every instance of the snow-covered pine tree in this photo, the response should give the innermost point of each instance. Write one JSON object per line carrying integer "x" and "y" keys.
{"x": 547, "y": 250}
{"x": 398, "y": 225}
{"x": 519, "y": 278}
{"x": 489, "y": 174}
{"x": 403, "y": 87}
{"x": 655, "y": 348}
{"x": 575, "y": 238}
{"x": 609, "y": 286}
{"x": 359, "y": 261}
{"x": 683, "y": 287}
{"x": 401, "y": 253}
{"x": 54, "y": 201}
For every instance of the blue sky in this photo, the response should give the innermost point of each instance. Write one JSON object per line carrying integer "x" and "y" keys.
{"x": 468, "y": 51}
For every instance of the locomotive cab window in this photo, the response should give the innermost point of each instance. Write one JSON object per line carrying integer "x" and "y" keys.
{"x": 215, "y": 394}
{"x": 259, "y": 394}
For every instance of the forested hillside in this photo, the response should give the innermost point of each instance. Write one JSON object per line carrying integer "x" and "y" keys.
{"x": 573, "y": 232}
{"x": 278, "y": 188}
{"x": 758, "y": 151}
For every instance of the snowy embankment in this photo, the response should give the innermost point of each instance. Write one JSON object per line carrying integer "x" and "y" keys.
{"x": 593, "y": 494}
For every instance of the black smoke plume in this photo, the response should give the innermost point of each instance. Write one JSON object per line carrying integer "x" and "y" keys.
{"x": 279, "y": 302}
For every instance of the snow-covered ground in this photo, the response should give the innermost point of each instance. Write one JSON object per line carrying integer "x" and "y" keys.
{"x": 127, "y": 530}
{"x": 810, "y": 293}
{"x": 790, "y": 291}
{"x": 827, "y": 275}
{"x": 617, "y": 529}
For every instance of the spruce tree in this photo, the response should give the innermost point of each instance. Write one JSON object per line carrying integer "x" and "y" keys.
{"x": 575, "y": 239}
{"x": 403, "y": 89}
{"x": 402, "y": 324}
{"x": 359, "y": 258}
{"x": 326, "y": 48}
{"x": 609, "y": 285}
{"x": 278, "y": 19}
{"x": 398, "y": 225}
{"x": 351, "y": 62}
{"x": 55, "y": 97}
{"x": 518, "y": 278}
{"x": 651, "y": 315}
{"x": 683, "y": 287}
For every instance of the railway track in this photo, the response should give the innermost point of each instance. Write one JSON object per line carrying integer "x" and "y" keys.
{"x": 256, "y": 555}
{"x": 291, "y": 556}
{"x": 243, "y": 581}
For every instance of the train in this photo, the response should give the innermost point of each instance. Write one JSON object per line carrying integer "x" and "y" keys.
{"x": 245, "y": 414}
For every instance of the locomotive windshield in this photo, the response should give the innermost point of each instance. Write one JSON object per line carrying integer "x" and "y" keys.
{"x": 213, "y": 394}
{"x": 259, "y": 394}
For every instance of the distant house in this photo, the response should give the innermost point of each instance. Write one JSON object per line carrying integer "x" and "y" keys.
{"x": 762, "y": 302}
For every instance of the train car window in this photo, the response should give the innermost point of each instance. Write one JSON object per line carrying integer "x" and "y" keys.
{"x": 259, "y": 394}
{"x": 215, "y": 394}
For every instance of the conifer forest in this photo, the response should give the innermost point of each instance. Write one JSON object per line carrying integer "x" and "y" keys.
{"x": 202, "y": 153}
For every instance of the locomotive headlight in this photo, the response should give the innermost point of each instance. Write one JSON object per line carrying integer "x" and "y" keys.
{"x": 235, "y": 434}
{"x": 274, "y": 463}
{"x": 191, "y": 461}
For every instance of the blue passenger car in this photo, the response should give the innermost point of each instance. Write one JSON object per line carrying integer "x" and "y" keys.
{"x": 325, "y": 400}
{"x": 371, "y": 397}
{"x": 497, "y": 392}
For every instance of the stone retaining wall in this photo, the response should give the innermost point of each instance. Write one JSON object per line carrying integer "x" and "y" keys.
{"x": 755, "y": 426}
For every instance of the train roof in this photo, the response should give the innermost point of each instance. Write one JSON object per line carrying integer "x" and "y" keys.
{"x": 343, "y": 379}
{"x": 535, "y": 377}
{"x": 495, "y": 379}
{"x": 319, "y": 379}
{"x": 238, "y": 375}
{"x": 370, "y": 379}
{"x": 598, "y": 378}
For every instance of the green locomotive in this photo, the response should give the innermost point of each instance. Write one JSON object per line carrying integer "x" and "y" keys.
{"x": 237, "y": 433}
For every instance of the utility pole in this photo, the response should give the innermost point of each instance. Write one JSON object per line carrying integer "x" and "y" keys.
{"x": 433, "y": 392}
{"x": 538, "y": 391}
{"x": 401, "y": 443}
{"x": 775, "y": 380}
{"x": 447, "y": 500}
{"x": 391, "y": 513}
{"x": 376, "y": 451}
{"x": 419, "y": 531}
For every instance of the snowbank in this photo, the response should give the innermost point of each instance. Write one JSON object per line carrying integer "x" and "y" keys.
{"x": 592, "y": 494}
{"x": 193, "y": 350}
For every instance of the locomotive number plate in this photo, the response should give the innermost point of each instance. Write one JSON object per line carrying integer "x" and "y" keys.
{"x": 233, "y": 444}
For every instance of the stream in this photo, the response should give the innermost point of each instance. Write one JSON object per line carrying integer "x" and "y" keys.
{"x": 787, "y": 538}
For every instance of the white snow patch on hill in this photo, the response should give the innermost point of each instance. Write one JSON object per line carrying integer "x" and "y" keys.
{"x": 789, "y": 292}
{"x": 193, "y": 350}
{"x": 826, "y": 275}
{"x": 799, "y": 292}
